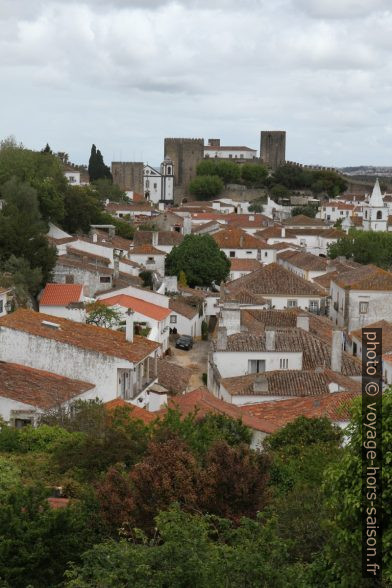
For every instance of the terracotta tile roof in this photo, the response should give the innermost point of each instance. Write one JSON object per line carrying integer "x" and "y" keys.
{"x": 367, "y": 277}
{"x": 302, "y": 220}
{"x": 158, "y": 313}
{"x": 194, "y": 291}
{"x": 56, "y": 503}
{"x": 90, "y": 337}
{"x": 274, "y": 280}
{"x": 175, "y": 378}
{"x": 135, "y": 412}
{"x": 61, "y": 294}
{"x": 226, "y": 148}
{"x": 234, "y": 238}
{"x": 181, "y": 307}
{"x": 206, "y": 403}
{"x": 164, "y": 238}
{"x": 248, "y": 221}
{"x": 37, "y": 387}
{"x": 128, "y": 206}
{"x": 146, "y": 250}
{"x": 338, "y": 204}
{"x": 67, "y": 261}
{"x": 201, "y": 227}
{"x": 335, "y": 406}
{"x": 61, "y": 241}
{"x": 256, "y": 321}
{"x": 288, "y": 383}
{"x": 316, "y": 353}
{"x": 244, "y": 265}
{"x": 112, "y": 241}
{"x": 386, "y": 334}
{"x": 243, "y": 296}
{"x": 129, "y": 262}
{"x": 138, "y": 197}
{"x": 304, "y": 260}
{"x": 326, "y": 233}
{"x": 91, "y": 256}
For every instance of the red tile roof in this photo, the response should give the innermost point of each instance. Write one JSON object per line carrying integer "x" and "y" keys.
{"x": 335, "y": 406}
{"x": 61, "y": 294}
{"x": 135, "y": 412}
{"x": 146, "y": 250}
{"x": 244, "y": 265}
{"x": 304, "y": 260}
{"x": 181, "y": 307}
{"x": 367, "y": 278}
{"x": 386, "y": 334}
{"x": 234, "y": 238}
{"x": 158, "y": 313}
{"x": 90, "y": 337}
{"x": 302, "y": 220}
{"x": 37, "y": 387}
{"x": 205, "y": 403}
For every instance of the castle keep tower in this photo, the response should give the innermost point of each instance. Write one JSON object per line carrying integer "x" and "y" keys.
{"x": 273, "y": 148}
{"x": 185, "y": 155}
{"x": 129, "y": 175}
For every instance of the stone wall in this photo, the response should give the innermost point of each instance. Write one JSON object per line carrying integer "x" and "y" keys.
{"x": 129, "y": 175}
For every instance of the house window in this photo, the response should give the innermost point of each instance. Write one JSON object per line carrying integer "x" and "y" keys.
{"x": 104, "y": 279}
{"x": 230, "y": 155}
{"x": 292, "y": 303}
{"x": 155, "y": 185}
{"x": 248, "y": 253}
{"x": 173, "y": 319}
{"x": 147, "y": 183}
{"x": 284, "y": 364}
{"x": 232, "y": 253}
{"x": 256, "y": 366}
{"x": 379, "y": 215}
{"x": 169, "y": 170}
{"x": 265, "y": 253}
{"x": 313, "y": 305}
{"x": 363, "y": 307}
{"x": 150, "y": 260}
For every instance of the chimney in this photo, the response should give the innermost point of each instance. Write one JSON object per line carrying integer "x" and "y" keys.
{"x": 269, "y": 340}
{"x": 221, "y": 341}
{"x": 303, "y": 322}
{"x": 241, "y": 240}
{"x": 129, "y": 325}
{"x": 116, "y": 267}
{"x": 260, "y": 384}
{"x": 111, "y": 231}
{"x": 230, "y": 317}
{"x": 337, "y": 351}
{"x": 154, "y": 238}
{"x": 94, "y": 237}
{"x": 283, "y": 232}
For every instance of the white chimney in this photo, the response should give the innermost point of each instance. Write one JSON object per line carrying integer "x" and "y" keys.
{"x": 269, "y": 340}
{"x": 155, "y": 237}
{"x": 260, "y": 384}
{"x": 95, "y": 237}
{"x": 129, "y": 325}
{"x": 221, "y": 341}
{"x": 337, "y": 351}
{"x": 283, "y": 232}
{"x": 230, "y": 317}
{"x": 303, "y": 322}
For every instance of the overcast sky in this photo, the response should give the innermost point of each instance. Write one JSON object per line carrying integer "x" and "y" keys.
{"x": 124, "y": 74}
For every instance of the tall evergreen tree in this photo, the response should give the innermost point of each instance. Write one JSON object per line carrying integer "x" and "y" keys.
{"x": 96, "y": 166}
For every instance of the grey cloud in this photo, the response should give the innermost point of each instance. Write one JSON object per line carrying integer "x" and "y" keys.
{"x": 336, "y": 9}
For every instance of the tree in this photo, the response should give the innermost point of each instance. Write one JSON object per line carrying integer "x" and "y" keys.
{"x": 228, "y": 171}
{"x": 200, "y": 258}
{"x": 182, "y": 279}
{"x": 343, "y": 495}
{"x": 101, "y": 315}
{"x": 254, "y": 175}
{"x": 256, "y": 207}
{"x": 206, "y": 187}
{"x": 279, "y": 191}
{"x": 96, "y": 167}
{"x": 303, "y": 432}
{"x": 329, "y": 182}
{"x": 82, "y": 209}
{"x": 309, "y": 210}
{"x": 292, "y": 177}
{"x": 146, "y": 276}
{"x": 106, "y": 189}
{"x": 47, "y": 149}
{"x": 24, "y": 280}
{"x": 364, "y": 247}
{"x": 190, "y": 550}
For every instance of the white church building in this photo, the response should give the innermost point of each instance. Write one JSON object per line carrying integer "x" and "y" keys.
{"x": 158, "y": 184}
{"x": 375, "y": 212}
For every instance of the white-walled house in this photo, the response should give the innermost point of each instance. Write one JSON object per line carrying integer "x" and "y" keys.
{"x": 145, "y": 315}
{"x": 63, "y": 300}
{"x": 217, "y": 151}
{"x": 360, "y": 297}
{"x": 25, "y": 393}
{"x": 277, "y": 287}
{"x": 117, "y": 364}
{"x": 241, "y": 267}
{"x": 236, "y": 243}
{"x": 159, "y": 184}
{"x": 334, "y": 210}
{"x": 305, "y": 265}
{"x": 130, "y": 210}
{"x": 149, "y": 257}
{"x": 144, "y": 294}
{"x": 4, "y": 299}
{"x": 185, "y": 319}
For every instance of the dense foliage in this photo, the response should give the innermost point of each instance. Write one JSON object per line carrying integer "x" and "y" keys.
{"x": 97, "y": 170}
{"x": 364, "y": 247}
{"x": 200, "y": 258}
{"x": 206, "y": 187}
{"x": 183, "y": 502}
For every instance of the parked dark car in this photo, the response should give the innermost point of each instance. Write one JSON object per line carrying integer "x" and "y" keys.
{"x": 184, "y": 342}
